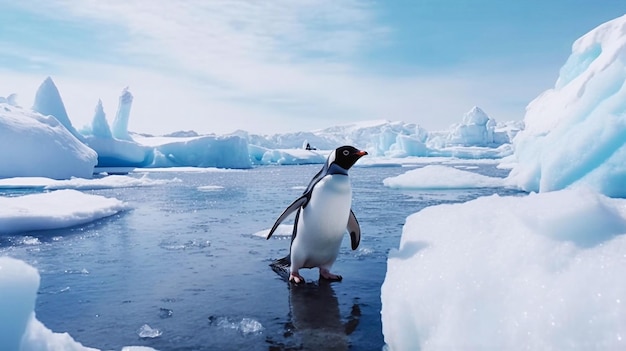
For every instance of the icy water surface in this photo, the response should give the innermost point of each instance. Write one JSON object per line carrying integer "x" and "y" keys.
{"x": 184, "y": 269}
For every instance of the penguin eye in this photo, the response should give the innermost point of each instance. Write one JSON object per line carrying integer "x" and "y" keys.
{"x": 346, "y": 152}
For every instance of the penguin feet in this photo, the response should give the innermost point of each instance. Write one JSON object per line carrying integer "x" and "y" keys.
{"x": 325, "y": 274}
{"x": 296, "y": 278}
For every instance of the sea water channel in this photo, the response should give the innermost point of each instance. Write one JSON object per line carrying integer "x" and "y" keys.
{"x": 187, "y": 269}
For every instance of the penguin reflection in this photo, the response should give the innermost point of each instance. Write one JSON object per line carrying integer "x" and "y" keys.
{"x": 315, "y": 317}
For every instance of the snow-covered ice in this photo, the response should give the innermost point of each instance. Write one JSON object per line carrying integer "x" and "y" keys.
{"x": 544, "y": 271}
{"x": 35, "y": 145}
{"x": 441, "y": 177}
{"x": 109, "y": 182}
{"x": 53, "y": 210}
{"x": 19, "y": 328}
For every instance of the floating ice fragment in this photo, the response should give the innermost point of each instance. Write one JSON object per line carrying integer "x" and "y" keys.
{"x": 73, "y": 271}
{"x": 210, "y": 188}
{"x": 283, "y": 231}
{"x": 250, "y": 326}
{"x": 147, "y": 332}
{"x": 29, "y": 240}
{"x": 176, "y": 245}
{"x": 246, "y": 326}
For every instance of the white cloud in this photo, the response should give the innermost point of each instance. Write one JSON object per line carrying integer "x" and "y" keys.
{"x": 262, "y": 66}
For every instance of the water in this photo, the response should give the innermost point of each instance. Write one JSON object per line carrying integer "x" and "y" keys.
{"x": 183, "y": 270}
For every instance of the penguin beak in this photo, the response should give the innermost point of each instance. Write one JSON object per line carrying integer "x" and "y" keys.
{"x": 361, "y": 153}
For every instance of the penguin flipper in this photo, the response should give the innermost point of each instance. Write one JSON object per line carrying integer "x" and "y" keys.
{"x": 300, "y": 202}
{"x": 355, "y": 230}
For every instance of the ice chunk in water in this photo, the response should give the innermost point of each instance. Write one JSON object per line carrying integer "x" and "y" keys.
{"x": 246, "y": 326}
{"x": 148, "y": 332}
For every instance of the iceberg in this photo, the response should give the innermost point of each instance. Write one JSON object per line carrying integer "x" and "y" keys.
{"x": 263, "y": 156}
{"x": 41, "y": 211}
{"x": 48, "y": 102}
{"x": 32, "y": 144}
{"x": 199, "y": 151}
{"x": 115, "y": 153}
{"x": 120, "y": 124}
{"x": 575, "y": 133}
{"x": 478, "y": 136}
{"x": 477, "y": 129}
{"x": 118, "y": 150}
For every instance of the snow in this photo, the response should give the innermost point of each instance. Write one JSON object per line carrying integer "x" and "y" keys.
{"x": 109, "y": 182}
{"x": 19, "y": 328}
{"x": 41, "y": 211}
{"x": 441, "y": 177}
{"x": 536, "y": 272}
{"x": 576, "y": 132}
{"x": 539, "y": 272}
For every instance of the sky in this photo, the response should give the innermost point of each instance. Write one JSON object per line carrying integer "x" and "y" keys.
{"x": 285, "y": 66}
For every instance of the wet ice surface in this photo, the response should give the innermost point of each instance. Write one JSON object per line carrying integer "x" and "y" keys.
{"x": 187, "y": 269}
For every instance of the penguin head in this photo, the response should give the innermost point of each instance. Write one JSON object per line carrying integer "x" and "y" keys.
{"x": 345, "y": 157}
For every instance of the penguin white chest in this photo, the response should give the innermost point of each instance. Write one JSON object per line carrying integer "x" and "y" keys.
{"x": 329, "y": 207}
{"x": 322, "y": 223}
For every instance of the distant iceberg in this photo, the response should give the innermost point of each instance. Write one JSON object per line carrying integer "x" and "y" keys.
{"x": 200, "y": 151}
{"x": 478, "y": 136}
{"x": 120, "y": 151}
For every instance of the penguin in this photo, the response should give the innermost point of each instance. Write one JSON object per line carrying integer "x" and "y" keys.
{"x": 323, "y": 213}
